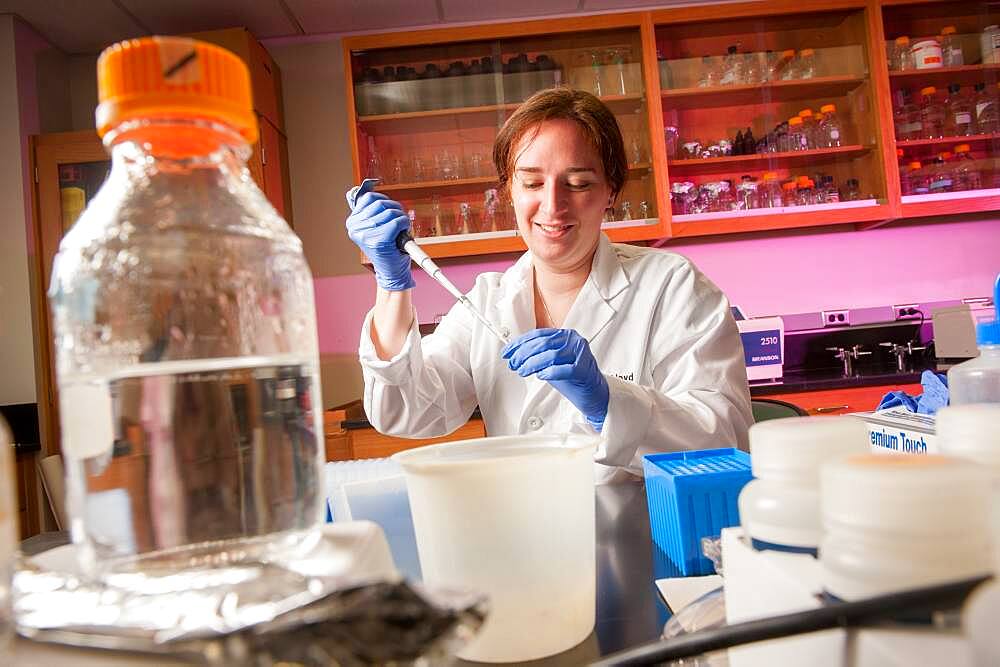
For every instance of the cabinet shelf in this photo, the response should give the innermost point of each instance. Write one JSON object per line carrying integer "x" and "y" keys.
{"x": 965, "y": 75}
{"x": 818, "y": 215}
{"x": 611, "y": 100}
{"x": 972, "y": 140}
{"x": 463, "y": 183}
{"x": 716, "y": 165}
{"x": 775, "y": 91}
{"x": 948, "y": 203}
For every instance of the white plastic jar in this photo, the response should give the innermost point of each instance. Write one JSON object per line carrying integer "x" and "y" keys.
{"x": 927, "y": 54}
{"x": 779, "y": 508}
{"x": 893, "y": 523}
{"x": 972, "y": 432}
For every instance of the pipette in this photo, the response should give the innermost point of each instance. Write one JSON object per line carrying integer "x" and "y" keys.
{"x": 406, "y": 244}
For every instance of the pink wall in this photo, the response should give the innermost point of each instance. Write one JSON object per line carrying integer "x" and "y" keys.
{"x": 779, "y": 273}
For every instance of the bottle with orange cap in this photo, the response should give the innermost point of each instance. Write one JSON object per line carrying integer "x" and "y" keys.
{"x": 829, "y": 131}
{"x": 185, "y": 326}
{"x": 798, "y": 140}
{"x": 967, "y": 174}
{"x": 932, "y": 113}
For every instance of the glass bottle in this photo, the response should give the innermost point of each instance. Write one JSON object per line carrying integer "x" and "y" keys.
{"x": 951, "y": 47}
{"x": 753, "y": 68}
{"x": 960, "y": 115}
{"x": 830, "y": 193}
{"x": 711, "y": 72}
{"x": 726, "y": 200}
{"x": 490, "y": 201}
{"x": 797, "y": 140}
{"x": 909, "y": 124}
{"x": 770, "y": 193}
{"x": 374, "y": 169}
{"x": 829, "y": 127}
{"x": 939, "y": 177}
{"x": 809, "y": 128}
{"x": 987, "y": 110}
{"x": 807, "y": 64}
{"x": 918, "y": 179}
{"x": 769, "y": 67}
{"x": 905, "y": 180}
{"x": 465, "y": 224}
{"x": 626, "y": 210}
{"x": 746, "y": 193}
{"x": 932, "y": 114}
{"x": 185, "y": 326}
{"x": 790, "y": 68}
{"x": 643, "y": 210}
{"x": 437, "y": 216}
{"x": 967, "y": 174}
{"x": 788, "y": 194}
{"x": 732, "y": 68}
{"x": 902, "y": 57}
{"x": 851, "y": 191}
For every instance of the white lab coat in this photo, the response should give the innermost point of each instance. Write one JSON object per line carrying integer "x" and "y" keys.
{"x": 662, "y": 334}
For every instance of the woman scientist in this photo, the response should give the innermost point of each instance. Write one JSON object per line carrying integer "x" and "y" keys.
{"x": 629, "y": 342}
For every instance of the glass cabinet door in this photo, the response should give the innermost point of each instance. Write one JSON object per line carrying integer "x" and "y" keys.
{"x": 78, "y": 183}
{"x": 943, "y": 61}
{"x": 427, "y": 116}
{"x": 770, "y": 120}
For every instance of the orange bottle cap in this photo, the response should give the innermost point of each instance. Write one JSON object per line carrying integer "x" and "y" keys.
{"x": 801, "y": 180}
{"x": 788, "y": 186}
{"x": 962, "y": 148}
{"x": 945, "y": 155}
{"x": 770, "y": 176}
{"x": 788, "y": 53}
{"x": 828, "y": 108}
{"x": 807, "y": 52}
{"x": 948, "y": 30}
{"x": 902, "y": 40}
{"x": 795, "y": 120}
{"x": 173, "y": 77}
{"x": 929, "y": 90}
{"x": 915, "y": 165}
{"x": 805, "y": 113}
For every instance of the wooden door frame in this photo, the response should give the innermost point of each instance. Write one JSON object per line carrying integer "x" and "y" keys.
{"x": 47, "y": 153}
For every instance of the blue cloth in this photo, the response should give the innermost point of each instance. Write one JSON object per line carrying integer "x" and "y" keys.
{"x": 562, "y": 358}
{"x": 373, "y": 225}
{"x": 934, "y": 398}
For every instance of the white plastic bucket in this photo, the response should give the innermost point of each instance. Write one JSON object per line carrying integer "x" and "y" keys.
{"x": 511, "y": 517}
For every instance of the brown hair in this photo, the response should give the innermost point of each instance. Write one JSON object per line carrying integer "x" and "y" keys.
{"x": 595, "y": 119}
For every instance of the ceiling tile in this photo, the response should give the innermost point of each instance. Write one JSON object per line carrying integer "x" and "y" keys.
{"x": 264, "y": 18}
{"x": 490, "y": 10}
{"x": 338, "y": 16}
{"x": 73, "y": 26}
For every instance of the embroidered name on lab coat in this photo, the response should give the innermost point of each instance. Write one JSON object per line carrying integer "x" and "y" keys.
{"x": 630, "y": 377}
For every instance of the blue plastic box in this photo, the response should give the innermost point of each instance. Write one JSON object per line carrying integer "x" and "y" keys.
{"x": 692, "y": 495}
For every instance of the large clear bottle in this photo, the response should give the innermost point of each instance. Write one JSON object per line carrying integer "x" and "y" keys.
{"x": 987, "y": 109}
{"x": 932, "y": 113}
{"x": 978, "y": 380}
{"x": 967, "y": 173}
{"x": 185, "y": 327}
{"x": 961, "y": 118}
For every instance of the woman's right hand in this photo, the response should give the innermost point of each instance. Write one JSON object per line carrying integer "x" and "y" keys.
{"x": 373, "y": 225}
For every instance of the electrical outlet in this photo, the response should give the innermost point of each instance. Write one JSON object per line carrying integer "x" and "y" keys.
{"x": 836, "y": 318}
{"x": 906, "y": 311}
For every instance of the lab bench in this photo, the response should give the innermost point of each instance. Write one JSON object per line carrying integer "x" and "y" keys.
{"x": 629, "y": 608}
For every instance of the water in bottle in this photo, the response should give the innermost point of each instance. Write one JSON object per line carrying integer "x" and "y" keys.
{"x": 960, "y": 115}
{"x": 798, "y": 140}
{"x": 807, "y": 64}
{"x": 932, "y": 114}
{"x": 978, "y": 380}
{"x": 809, "y": 127}
{"x": 185, "y": 326}
{"x": 951, "y": 48}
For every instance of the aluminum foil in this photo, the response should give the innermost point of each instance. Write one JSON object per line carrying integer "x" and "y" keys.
{"x": 241, "y": 602}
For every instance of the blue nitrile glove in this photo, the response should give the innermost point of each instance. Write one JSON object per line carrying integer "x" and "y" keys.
{"x": 374, "y": 224}
{"x": 562, "y": 358}
{"x": 897, "y": 399}
{"x": 935, "y": 394}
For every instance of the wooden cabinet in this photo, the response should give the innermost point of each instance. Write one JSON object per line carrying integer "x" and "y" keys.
{"x": 425, "y": 109}
{"x": 27, "y": 493}
{"x": 843, "y": 401}
{"x": 366, "y": 443}
{"x": 416, "y": 99}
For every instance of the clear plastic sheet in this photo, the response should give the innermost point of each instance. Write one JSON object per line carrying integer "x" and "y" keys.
{"x": 235, "y": 602}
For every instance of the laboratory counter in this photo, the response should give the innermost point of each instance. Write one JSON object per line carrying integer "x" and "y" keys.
{"x": 630, "y": 611}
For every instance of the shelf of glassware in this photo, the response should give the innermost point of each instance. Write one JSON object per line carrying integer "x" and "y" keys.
{"x": 785, "y": 217}
{"x": 985, "y": 198}
{"x": 942, "y": 77}
{"x": 706, "y": 97}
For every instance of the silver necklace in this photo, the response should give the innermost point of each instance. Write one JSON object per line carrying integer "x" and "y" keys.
{"x": 545, "y": 307}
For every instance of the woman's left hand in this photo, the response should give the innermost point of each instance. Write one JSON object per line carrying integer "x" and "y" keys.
{"x": 562, "y": 358}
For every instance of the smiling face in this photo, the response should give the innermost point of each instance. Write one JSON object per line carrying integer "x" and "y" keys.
{"x": 560, "y": 193}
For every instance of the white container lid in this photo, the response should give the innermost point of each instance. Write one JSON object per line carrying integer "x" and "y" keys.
{"x": 971, "y": 432}
{"x": 796, "y": 447}
{"x": 906, "y": 495}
